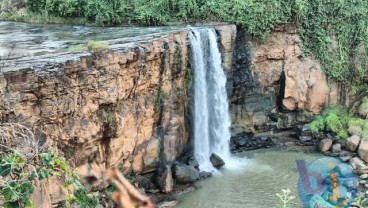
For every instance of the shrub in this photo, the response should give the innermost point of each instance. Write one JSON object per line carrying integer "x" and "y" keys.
{"x": 333, "y": 122}
{"x": 317, "y": 125}
{"x": 35, "y": 5}
{"x": 20, "y": 170}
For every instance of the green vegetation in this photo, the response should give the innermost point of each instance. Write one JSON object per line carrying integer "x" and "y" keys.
{"x": 20, "y": 175}
{"x": 337, "y": 120}
{"x": 334, "y": 31}
{"x": 22, "y": 167}
{"x": 93, "y": 46}
{"x": 334, "y": 119}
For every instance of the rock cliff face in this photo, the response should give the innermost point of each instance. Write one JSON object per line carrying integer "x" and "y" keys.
{"x": 272, "y": 87}
{"x": 126, "y": 107}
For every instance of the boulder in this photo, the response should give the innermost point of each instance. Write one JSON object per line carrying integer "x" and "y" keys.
{"x": 193, "y": 162}
{"x": 216, "y": 160}
{"x": 336, "y": 148}
{"x": 204, "y": 174}
{"x": 325, "y": 145}
{"x": 356, "y": 163}
{"x": 363, "y": 149}
{"x": 164, "y": 179}
{"x": 352, "y": 143}
{"x": 185, "y": 173}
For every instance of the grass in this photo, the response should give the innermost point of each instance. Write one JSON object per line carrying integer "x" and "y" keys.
{"x": 93, "y": 46}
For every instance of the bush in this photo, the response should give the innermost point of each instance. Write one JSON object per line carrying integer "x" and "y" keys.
{"x": 35, "y": 5}
{"x": 317, "y": 125}
{"x": 337, "y": 120}
{"x": 22, "y": 168}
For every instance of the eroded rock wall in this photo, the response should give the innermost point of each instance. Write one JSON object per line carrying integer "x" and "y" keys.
{"x": 126, "y": 107}
{"x": 110, "y": 108}
{"x": 273, "y": 87}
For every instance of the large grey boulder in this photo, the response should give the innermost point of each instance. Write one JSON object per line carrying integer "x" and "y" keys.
{"x": 324, "y": 145}
{"x": 352, "y": 143}
{"x": 363, "y": 149}
{"x": 216, "y": 161}
{"x": 185, "y": 173}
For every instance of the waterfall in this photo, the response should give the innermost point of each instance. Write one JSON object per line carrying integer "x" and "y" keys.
{"x": 211, "y": 110}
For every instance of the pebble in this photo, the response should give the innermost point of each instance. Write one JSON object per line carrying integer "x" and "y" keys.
{"x": 366, "y": 185}
{"x": 364, "y": 176}
{"x": 362, "y": 182}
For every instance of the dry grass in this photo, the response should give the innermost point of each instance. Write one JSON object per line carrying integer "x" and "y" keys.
{"x": 16, "y": 137}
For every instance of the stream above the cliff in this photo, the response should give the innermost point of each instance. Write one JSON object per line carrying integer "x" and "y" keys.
{"x": 26, "y": 39}
{"x": 253, "y": 185}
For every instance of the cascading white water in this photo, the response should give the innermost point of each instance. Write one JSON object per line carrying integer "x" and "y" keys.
{"x": 211, "y": 110}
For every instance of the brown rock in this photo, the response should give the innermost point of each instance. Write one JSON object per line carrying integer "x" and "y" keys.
{"x": 352, "y": 143}
{"x": 324, "y": 145}
{"x": 357, "y": 164}
{"x": 363, "y": 149}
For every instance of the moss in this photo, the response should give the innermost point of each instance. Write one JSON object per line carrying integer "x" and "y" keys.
{"x": 77, "y": 48}
{"x": 188, "y": 79}
{"x": 96, "y": 46}
{"x": 93, "y": 46}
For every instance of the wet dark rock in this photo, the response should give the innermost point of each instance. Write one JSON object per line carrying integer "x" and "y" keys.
{"x": 216, "y": 160}
{"x": 164, "y": 179}
{"x": 193, "y": 162}
{"x": 204, "y": 174}
{"x": 143, "y": 182}
{"x": 242, "y": 142}
{"x": 265, "y": 138}
{"x": 185, "y": 174}
{"x": 248, "y": 142}
{"x": 303, "y": 130}
{"x": 331, "y": 154}
{"x": 305, "y": 138}
{"x": 344, "y": 153}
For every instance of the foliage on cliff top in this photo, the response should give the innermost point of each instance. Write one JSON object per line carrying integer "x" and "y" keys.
{"x": 335, "y": 31}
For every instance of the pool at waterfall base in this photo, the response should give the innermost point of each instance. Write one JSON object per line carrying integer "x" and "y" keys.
{"x": 263, "y": 174}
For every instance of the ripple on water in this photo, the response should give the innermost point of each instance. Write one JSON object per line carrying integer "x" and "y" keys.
{"x": 253, "y": 184}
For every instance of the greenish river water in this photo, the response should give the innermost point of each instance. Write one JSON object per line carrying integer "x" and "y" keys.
{"x": 251, "y": 185}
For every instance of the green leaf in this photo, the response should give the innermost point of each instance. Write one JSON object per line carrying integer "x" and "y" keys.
{"x": 11, "y": 205}
{"x": 46, "y": 158}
